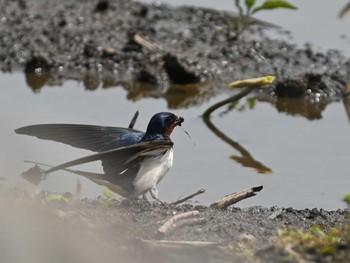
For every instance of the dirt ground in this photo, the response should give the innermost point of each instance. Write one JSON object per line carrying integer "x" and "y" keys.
{"x": 41, "y": 227}
{"x": 53, "y": 41}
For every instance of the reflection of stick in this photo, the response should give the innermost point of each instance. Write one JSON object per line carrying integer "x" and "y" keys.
{"x": 188, "y": 197}
{"x": 179, "y": 220}
{"x": 247, "y": 159}
{"x": 344, "y": 11}
{"x": 236, "y": 97}
{"x": 236, "y": 197}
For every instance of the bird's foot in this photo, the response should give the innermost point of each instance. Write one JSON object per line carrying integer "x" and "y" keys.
{"x": 161, "y": 202}
{"x": 154, "y": 194}
{"x": 144, "y": 198}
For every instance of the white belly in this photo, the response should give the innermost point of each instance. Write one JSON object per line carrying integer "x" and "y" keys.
{"x": 152, "y": 172}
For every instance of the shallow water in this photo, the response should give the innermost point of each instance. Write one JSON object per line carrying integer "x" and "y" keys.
{"x": 308, "y": 158}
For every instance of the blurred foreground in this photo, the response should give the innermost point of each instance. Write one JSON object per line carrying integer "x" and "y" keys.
{"x": 44, "y": 227}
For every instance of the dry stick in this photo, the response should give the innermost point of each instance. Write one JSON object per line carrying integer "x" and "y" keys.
{"x": 162, "y": 233}
{"x": 146, "y": 43}
{"x": 133, "y": 120}
{"x": 184, "y": 222}
{"x": 188, "y": 197}
{"x": 170, "y": 225}
{"x": 236, "y": 197}
{"x": 289, "y": 250}
{"x": 179, "y": 244}
{"x": 78, "y": 189}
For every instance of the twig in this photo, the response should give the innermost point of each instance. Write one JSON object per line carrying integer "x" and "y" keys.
{"x": 133, "y": 120}
{"x": 146, "y": 43}
{"x": 201, "y": 191}
{"x": 185, "y": 222}
{"x": 289, "y": 250}
{"x": 236, "y": 197}
{"x": 170, "y": 225}
{"x": 179, "y": 244}
{"x": 78, "y": 188}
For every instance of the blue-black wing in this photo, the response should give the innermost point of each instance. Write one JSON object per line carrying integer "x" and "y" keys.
{"x": 121, "y": 165}
{"x": 90, "y": 137}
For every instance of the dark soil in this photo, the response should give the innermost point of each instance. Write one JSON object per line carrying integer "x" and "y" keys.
{"x": 43, "y": 227}
{"x": 52, "y": 41}
{"x": 93, "y": 43}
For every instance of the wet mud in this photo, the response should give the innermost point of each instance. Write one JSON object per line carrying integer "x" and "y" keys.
{"x": 110, "y": 43}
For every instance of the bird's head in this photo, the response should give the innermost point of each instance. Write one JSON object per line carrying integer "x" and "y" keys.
{"x": 163, "y": 123}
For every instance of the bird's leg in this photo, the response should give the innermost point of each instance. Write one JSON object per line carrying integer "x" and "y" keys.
{"x": 144, "y": 197}
{"x": 154, "y": 194}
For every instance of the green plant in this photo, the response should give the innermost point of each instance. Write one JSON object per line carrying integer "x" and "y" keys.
{"x": 346, "y": 199}
{"x": 250, "y": 7}
{"x": 314, "y": 243}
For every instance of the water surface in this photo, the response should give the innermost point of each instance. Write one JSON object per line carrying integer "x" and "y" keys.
{"x": 308, "y": 158}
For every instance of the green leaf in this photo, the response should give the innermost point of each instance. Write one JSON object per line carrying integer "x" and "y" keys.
{"x": 259, "y": 82}
{"x": 249, "y": 3}
{"x": 272, "y": 4}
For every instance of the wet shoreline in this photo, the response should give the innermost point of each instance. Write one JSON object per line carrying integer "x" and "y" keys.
{"x": 188, "y": 45}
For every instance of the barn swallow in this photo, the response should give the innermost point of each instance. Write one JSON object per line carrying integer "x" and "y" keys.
{"x": 134, "y": 162}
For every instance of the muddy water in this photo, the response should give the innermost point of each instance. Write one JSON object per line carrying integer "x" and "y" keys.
{"x": 308, "y": 159}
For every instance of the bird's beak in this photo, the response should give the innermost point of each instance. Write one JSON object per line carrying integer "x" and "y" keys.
{"x": 179, "y": 120}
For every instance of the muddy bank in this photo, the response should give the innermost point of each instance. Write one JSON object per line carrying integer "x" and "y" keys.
{"x": 42, "y": 226}
{"x": 78, "y": 40}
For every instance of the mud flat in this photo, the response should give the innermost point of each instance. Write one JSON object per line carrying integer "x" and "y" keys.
{"x": 103, "y": 45}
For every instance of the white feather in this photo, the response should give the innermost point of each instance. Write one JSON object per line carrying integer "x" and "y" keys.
{"x": 152, "y": 172}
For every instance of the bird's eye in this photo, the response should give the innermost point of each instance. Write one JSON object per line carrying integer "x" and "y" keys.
{"x": 169, "y": 120}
